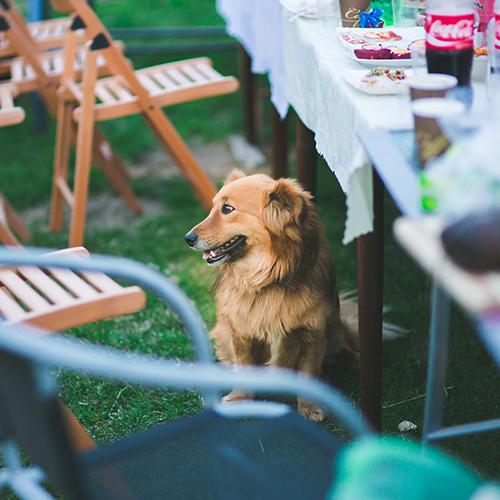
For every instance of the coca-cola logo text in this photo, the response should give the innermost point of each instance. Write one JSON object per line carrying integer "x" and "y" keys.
{"x": 461, "y": 30}
{"x": 449, "y": 31}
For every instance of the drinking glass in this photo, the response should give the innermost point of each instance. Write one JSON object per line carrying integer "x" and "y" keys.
{"x": 418, "y": 60}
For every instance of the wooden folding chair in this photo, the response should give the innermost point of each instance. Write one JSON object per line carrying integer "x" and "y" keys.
{"x": 47, "y": 34}
{"x": 11, "y": 226}
{"x": 40, "y": 71}
{"x": 58, "y": 299}
{"x": 128, "y": 92}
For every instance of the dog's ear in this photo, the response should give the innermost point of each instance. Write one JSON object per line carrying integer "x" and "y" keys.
{"x": 284, "y": 204}
{"x": 234, "y": 175}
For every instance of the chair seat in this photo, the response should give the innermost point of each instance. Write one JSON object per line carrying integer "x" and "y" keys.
{"x": 207, "y": 456}
{"x": 25, "y": 78}
{"x": 56, "y": 299}
{"x": 167, "y": 84}
{"x": 47, "y": 34}
{"x": 9, "y": 114}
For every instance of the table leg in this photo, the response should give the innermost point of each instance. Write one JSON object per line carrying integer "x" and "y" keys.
{"x": 306, "y": 157}
{"x": 370, "y": 249}
{"x": 438, "y": 357}
{"x": 279, "y": 147}
{"x": 249, "y": 95}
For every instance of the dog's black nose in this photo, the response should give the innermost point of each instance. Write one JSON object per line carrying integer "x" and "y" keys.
{"x": 191, "y": 238}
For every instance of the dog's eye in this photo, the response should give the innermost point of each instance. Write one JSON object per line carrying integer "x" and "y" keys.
{"x": 226, "y": 209}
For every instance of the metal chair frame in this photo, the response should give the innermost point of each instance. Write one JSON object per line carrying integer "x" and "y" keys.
{"x": 47, "y": 353}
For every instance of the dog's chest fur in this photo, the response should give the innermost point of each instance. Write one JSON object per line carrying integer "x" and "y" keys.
{"x": 276, "y": 309}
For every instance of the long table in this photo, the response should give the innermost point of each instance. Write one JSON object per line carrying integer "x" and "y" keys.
{"x": 333, "y": 111}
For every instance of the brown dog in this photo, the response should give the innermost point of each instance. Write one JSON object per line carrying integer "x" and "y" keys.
{"x": 276, "y": 295}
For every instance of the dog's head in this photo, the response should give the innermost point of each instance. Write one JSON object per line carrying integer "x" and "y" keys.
{"x": 255, "y": 220}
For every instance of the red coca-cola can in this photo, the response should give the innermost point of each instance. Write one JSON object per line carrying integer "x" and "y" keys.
{"x": 449, "y": 42}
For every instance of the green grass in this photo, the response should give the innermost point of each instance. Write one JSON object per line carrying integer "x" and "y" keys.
{"x": 111, "y": 410}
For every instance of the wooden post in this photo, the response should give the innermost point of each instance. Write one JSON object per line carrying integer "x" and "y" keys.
{"x": 370, "y": 249}
{"x": 249, "y": 95}
{"x": 306, "y": 157}
{"x": 279, "y": 147}
{"x": 37, "y": 11}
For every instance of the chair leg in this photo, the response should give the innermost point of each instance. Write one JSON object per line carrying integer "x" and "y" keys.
{"x": 80, "y": 439}
{"x": 84, "y": 150}
{"x": 7, "y": 237}
{"x": 104, "y": 149}
{"x": 61, "y": 159}
{"x": 187, "y": 163}
{"x": 115, "y": 170}
{"x": 438, "y": 351}
{"x": 82, "y": 178}
{"x": 11, "y": 225}
{"x": 15, "y": 222}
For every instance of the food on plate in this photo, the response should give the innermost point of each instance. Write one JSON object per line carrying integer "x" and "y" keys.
{"x": 392, "y": 74}
{"x": 399, "y": 53}
{"x": 383, "y": 78}
{"x": 376, "y": 51}
{"x": 480, "y": 51}
{"x": 372, "y": 51}
{"x": 382, "y": 36}
{"x": 382, "y": 43}
{"x": 417, "y": 43}
{"x": 380, "y": 80}
{"x": 353, "y": 39}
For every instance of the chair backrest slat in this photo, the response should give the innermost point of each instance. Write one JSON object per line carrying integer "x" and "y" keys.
{"x": 115, "y": 60}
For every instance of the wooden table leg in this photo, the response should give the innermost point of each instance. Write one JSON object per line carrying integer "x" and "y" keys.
{"x": 279, "y": 147}
{"x": 370, "y": 303}
{"x": 306, "y": 157}
{"x": 249, "y": 95}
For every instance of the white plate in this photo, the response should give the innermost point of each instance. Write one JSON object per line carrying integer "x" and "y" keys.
{"x": 306, "y": 8}
{"x": 383, "y": 85}
{"x": 406, "y": 37}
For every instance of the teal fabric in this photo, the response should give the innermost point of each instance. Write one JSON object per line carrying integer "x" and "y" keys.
{"x": 395, "y": 469}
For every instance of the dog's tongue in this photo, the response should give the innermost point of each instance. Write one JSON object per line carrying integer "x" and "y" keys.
{"x": 207, "y": 254}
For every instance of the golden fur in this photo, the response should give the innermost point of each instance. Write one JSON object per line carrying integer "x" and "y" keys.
{"x": 276, "y": 294}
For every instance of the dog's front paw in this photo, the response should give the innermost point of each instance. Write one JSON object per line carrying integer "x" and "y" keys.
{"x": 236, "y": 396}
{"x": 311, "y": 412}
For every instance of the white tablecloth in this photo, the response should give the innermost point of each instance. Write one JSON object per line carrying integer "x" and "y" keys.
{"x": 305, "y": 63}
{"x": 315, "y": 63}
{"x": 256, "y": 24}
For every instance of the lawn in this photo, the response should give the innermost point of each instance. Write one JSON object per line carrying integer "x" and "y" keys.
{"x": 110, "y": 410}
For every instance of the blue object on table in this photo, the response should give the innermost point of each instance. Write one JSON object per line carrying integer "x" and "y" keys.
{"x": 371, "y": 19}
